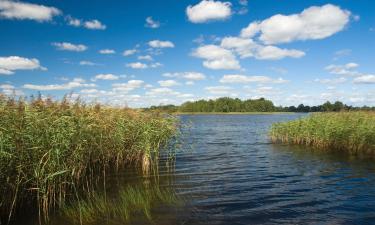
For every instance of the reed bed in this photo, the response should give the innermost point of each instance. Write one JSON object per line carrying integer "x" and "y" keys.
{"x": 51, "y": 151}
{"x": 353, "y": 132}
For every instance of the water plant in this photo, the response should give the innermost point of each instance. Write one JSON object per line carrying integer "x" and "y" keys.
{"x": 131, "y": 202}
{"x": 349, "y": 131}
{"x": 52, "y": 150}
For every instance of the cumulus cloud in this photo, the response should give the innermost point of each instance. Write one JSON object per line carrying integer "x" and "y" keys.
{"x": 129, "y": 52}
{"x": 23, "y": 10}
{"x": 107, "y": 51}
{"x": 365, "y": 79}
{"x": 145, "y": 57}
{"x": 331, "y": 81}
{"x": 246, "y": 47}
{"x": 187, "y": 75}
{"x": 316, "y": 22}
{"x": 346, "y": 70}
{"x": 275, "y": 53}
{"x": 66, "y": 46}
{"x": 107, "y": 76}
{"x": 168, "y": 83}
{"x": 90, "y": 24}
{"x": 160, "y": 44}
{"x": 75, "y": 83}
{"x": 94, "y": 25}
{"x": 161, "y": 91}
{"x": 216, "y": 57}
{"x": 209, "y": 10}
{"x": 11, "y": 63}
{"x": 219, "y": 90}
{"x": 137, "y": 65}
{"x": 236, "y": 78}
{"x": 151, "y": 23}
{"x": 128, "y": 86}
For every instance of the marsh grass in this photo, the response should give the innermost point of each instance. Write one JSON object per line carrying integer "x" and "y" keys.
{"x": 51, "y": 151}
{"x": 353, "y": 132}
{"x": 132, "y": 202}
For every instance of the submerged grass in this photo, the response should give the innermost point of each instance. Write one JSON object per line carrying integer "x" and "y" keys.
{"x": 350, "y": 131}
{"x": 51, "y": 151}
{"x": 131, "y": 202}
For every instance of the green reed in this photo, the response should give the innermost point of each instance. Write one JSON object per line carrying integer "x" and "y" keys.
{"x": 131, "y": 202}
{"x": 51, "y": 151}
{"x": 350, "y": 131}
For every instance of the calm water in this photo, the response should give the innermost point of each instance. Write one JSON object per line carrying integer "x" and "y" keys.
{"x": 230, "y": 173}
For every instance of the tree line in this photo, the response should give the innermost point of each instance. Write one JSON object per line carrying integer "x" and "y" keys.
{"x": 226, "y": 104}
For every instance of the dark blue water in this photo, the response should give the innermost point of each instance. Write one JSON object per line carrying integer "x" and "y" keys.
{"x": 230, "y": 173}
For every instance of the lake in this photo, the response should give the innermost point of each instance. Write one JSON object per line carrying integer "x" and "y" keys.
{"x": 228, "y": 172}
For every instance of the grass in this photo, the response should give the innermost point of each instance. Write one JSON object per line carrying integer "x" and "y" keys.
{"x": 130, "y": 202}
{"x": 51, "y": 151}
{"x": 353, "y": 132}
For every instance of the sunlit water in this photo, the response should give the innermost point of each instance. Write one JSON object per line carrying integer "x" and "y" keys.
{"x": 228, "y": 172}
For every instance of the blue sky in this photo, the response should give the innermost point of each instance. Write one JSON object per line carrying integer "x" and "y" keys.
{"x": 141, "y": 53}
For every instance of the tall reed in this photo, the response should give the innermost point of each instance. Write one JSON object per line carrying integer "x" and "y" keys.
{"x": 350, "y": 131}
{"x": 49, "y": 150}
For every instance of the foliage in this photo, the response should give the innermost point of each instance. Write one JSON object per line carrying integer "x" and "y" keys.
{"x": 227, "y": 104}
{"x": 350, "y": 131}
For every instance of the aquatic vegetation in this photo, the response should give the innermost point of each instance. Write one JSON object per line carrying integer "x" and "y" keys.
{"x": 51, "y": 151}
{"x": 132, "y": 201}
{"x": 350, "y": 131}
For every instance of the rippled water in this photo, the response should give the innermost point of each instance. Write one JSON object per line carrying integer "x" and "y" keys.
{"x": 234, "y": 175}
{"x": 228, "y": 172}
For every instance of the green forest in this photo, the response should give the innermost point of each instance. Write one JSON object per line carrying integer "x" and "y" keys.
{"x": 226, "y": 104}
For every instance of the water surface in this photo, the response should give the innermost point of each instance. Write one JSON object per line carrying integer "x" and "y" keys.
{"x": 228, "y": 172}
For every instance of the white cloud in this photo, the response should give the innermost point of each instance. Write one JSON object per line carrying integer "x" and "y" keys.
{"x": 8, "y": 89}
{"x": 216, "y": 57}
{"x": 168, "y": 83}
{"x": 152, "y": 23}
{"x": 275, "y": 53}
{"x": 94, "y": 25}
{"x": 219, "y": 90}
{"x": 365, "y": 79}
{"x": 73, "y": 21}
{"x": 235, "y": 78}
{"x": 128, "y": 86}
{"x": 161, "y": 91}
{"x": 76, "y": 83}
{"x": 129, "y": 52}
{"x": 155, "y": 65}
{"x": 89, "y": 91}
{"x": 87, "y": 63}
{"x": 107, "y": 51}
{"x": 160, "y": 44}
{"x": 331, "y": 81}
{"x": 107, "y": 76}
{"x": 66, "y": 46}
{"x": 137, "y": 65}
{"x": 246, "y": 47}
{"x": 145, "y": 57}
{"x": 90, "y": 24}
{"x": 22, "y": 10}
{"x": 187, "y": 75}
{"x": 11, "y": 63}
{"x": 346, "y": 70}
{"x": 208, "y": 10}
{"x": 313, "y": 23}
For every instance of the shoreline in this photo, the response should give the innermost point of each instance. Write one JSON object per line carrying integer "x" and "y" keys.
{"x": 233, "y": 113}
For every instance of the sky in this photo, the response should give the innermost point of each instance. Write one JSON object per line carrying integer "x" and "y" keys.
{"x": 142, "y": 53}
